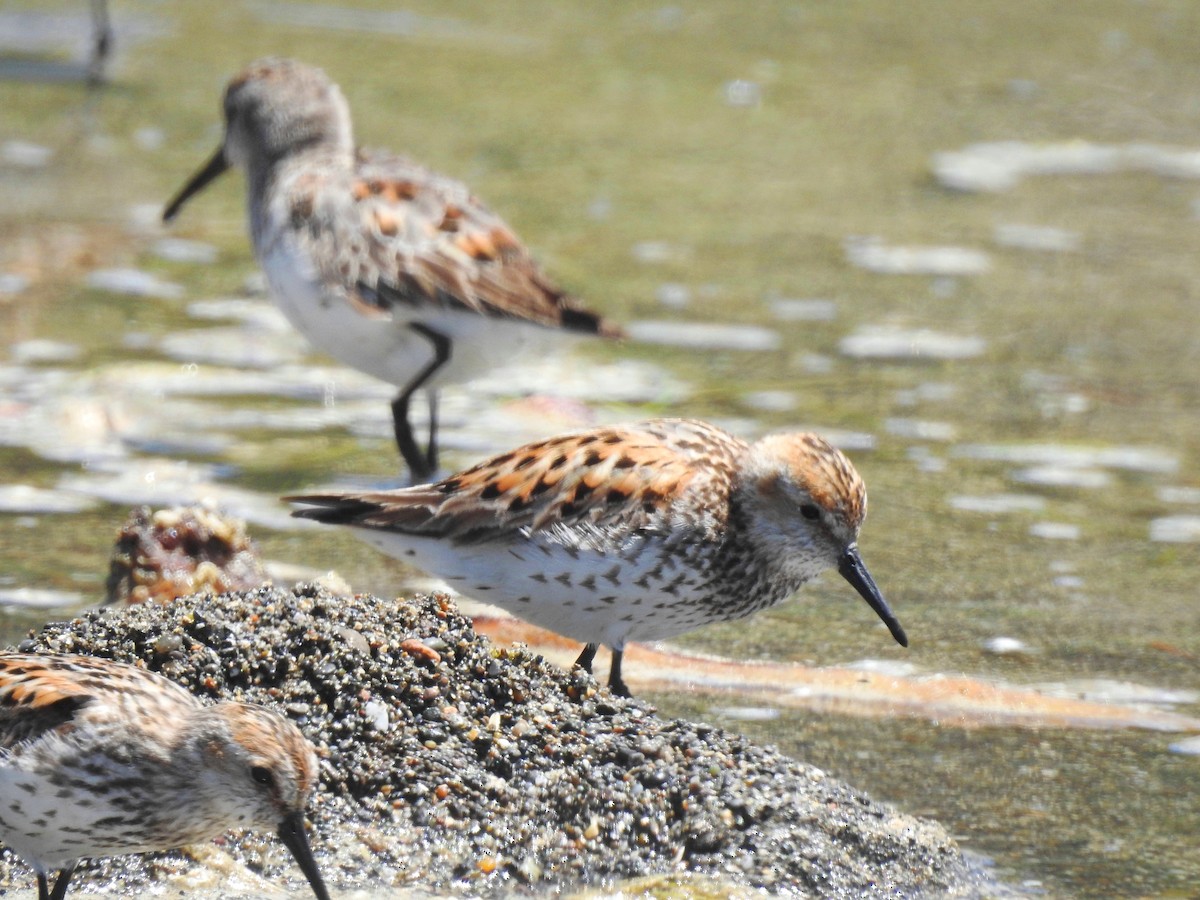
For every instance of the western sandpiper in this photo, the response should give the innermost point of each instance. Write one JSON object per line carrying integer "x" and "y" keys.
{"x": 634, "y": 532}
{"x": 387, "y": 266}
{"x": 99, "y": 758}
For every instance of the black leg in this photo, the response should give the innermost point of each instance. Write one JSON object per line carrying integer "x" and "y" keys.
{"x": 60, "y": 886}
{"x": 587, "y": 657}
{"x": 101, "y": 41}
{"x": 405, "y": 443}
{"x": 431, "y": 451}
{"x": 616, "y": 684}
{"x": 43, "y": 888}
{"x": 418, "y": 462}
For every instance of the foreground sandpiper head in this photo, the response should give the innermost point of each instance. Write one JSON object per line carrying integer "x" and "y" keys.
{"x": 274, "y": 107}
{"x": 99, "y": 758}
{"x": 259, "y": 772}
{"x": 634, "y": 532}
{"x": 808, "y": 507}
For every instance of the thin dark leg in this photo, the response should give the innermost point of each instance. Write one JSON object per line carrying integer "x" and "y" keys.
{"x": 413, "y": 457}
{"x": 616, "y": 684}
{"x": 102, "y": 41}
{"x": 43, "y": 888}
{"x": 60, "y": 886}
{"x": 431, "y": 450}
{"x": 587, "y": 657}
{"x": 419, "y": 462}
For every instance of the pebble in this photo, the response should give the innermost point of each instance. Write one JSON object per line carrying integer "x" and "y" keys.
{"x": 1006, "y": 646}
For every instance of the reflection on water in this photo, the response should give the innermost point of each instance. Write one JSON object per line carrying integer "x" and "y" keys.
{"x": 1009, "y": 356}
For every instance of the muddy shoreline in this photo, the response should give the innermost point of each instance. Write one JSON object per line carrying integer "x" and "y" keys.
{"x": 450, "y": 763}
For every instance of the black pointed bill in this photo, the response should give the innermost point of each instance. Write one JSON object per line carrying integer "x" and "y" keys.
{"x": 854, "y": 570}
{"x": 291, "y": 832}
{"x": 212, "y": 169}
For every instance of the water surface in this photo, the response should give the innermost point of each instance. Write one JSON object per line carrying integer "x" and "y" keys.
{"x": 1007, "y": 352}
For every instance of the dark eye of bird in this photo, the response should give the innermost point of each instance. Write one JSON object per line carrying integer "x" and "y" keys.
{"x": 263, "y": 775}
{"x": 810, "y": 511}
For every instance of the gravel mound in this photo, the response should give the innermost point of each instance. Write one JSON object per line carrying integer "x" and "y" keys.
{"x": 451, "y": 763}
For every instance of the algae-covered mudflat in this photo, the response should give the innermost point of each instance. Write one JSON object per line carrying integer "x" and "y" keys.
{"x": 958, "y": 238}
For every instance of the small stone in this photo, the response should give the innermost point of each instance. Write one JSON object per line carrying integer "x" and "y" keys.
{"x": 742, "y": 92}
{"x": 166, "y": 644}
{"x": 377, "y": 714}
{"x": 421, "y": 651}
{"x": 1006, "y": 646}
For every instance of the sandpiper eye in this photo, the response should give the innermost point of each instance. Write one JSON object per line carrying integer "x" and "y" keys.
{"x": 263, "y": 775}
{"x": 810, "y": 511}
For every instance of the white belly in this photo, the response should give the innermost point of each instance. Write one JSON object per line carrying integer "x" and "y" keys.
{"x": 44, "y": 827}
{"x": 590, "y": 596}
{"x": 384, "y": 346}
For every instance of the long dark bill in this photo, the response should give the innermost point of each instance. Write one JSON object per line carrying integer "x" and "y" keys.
{"x": 854, "y": 570}
{"x": 212, "y": 169}
{"x": 291, "y": 832}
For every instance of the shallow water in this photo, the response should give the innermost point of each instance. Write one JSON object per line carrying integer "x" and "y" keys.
{"x": 960, "y": 240}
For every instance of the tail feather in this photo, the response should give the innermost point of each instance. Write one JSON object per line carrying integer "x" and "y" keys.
{"x": 333, "y": 509}
{"x": 410, "y": 510}
{"x": 588, "y": 322}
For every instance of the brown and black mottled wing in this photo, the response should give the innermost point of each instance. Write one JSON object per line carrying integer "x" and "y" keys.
{"x": 616, "y": 479}
{"x": 36, "y": 698}
{"x": 42, "y": 693}
{"x": 407, "y": 237}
